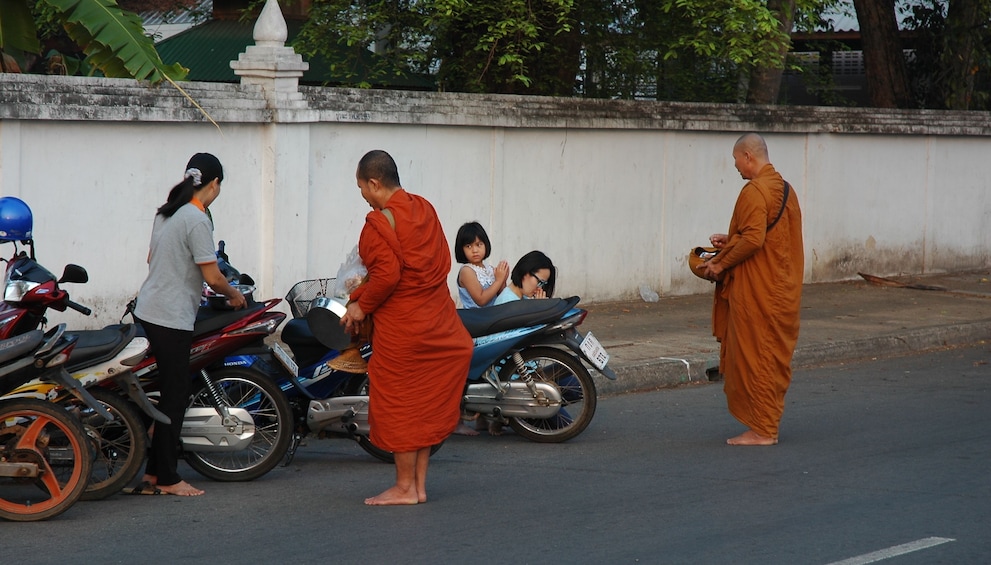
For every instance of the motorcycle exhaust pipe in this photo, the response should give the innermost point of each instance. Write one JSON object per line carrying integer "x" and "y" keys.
{"x": 343, "y": 413}
{"x": 516, "y": 402}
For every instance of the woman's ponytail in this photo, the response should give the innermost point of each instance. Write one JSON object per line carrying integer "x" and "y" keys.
{"x": 201, "y": 170}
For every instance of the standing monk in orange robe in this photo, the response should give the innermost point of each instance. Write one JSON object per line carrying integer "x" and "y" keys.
{"x": 755, "y": 312}
{"x": 422, "y": 351}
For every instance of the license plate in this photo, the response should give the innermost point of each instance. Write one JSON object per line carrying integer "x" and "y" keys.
{"x": 287, "y": 361}
{"x": 594, "y": 351}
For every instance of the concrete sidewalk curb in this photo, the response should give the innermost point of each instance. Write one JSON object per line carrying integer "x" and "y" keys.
{"x": 657, "y": 373}
{"x": 670, "y": 372}
{"x": 899, "y": 343}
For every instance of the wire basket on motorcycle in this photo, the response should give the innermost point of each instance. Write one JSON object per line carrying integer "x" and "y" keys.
{"x": 302, "y": 294}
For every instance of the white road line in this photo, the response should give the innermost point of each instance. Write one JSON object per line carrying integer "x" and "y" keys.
{"x": 893, "y": 551}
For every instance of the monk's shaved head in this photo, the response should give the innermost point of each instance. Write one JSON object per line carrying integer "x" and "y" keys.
{"x": 754, "y": 144}
{"x": 750, "y": 155}
{"x": 380, "y": 166}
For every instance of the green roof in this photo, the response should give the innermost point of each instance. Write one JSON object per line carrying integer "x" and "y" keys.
{"x": 208, "y": 49}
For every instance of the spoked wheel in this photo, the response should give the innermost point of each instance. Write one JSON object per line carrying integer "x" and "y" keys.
{"x": 119, "y": 445}
{"x": 45, "y": 460}
{"x": 358, "y": 386}
{"x": 273, "y": 422}
{"x": 577, "y": 391}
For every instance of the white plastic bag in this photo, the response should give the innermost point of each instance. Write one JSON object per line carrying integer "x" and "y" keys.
{"x": 351, "y": 274}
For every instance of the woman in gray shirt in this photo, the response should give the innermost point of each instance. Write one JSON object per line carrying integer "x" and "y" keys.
{"x": 180, "y": 259}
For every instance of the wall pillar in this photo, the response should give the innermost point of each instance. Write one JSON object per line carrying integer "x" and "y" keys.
{"x": 269, "y": 63}
{"x": 284, "y": 180}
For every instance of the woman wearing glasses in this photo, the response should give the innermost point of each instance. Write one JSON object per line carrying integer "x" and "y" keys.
{"x": 532, "y": 277}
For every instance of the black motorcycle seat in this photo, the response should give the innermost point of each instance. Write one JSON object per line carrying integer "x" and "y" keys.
{"x": 516, "y": 314}
{"x": 97, "y": 346}
{"x": 209, "y": 320}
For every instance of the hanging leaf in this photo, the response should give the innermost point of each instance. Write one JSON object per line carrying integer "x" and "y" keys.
{"x": 17, "y": 29}
{"x": 114, "y": 40}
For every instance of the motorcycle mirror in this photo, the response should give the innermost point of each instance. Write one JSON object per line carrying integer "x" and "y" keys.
{"x": 74, "y": 274}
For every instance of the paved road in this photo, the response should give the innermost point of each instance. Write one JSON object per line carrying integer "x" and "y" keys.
{"x": 873, "y": 457}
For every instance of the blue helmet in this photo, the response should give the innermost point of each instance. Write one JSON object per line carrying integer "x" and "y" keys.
{"x": 16, "y": 220}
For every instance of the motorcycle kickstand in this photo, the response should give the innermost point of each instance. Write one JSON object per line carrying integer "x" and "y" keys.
{"x": 297, "y": 438}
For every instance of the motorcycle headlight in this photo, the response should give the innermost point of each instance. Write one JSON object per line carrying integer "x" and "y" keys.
{"x": 15, "y": 290}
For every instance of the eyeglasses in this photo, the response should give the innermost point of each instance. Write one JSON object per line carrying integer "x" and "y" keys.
{"x": 541, "y": 283}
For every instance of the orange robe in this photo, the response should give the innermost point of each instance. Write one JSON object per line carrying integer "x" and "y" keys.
{"x": 421, "y": 350}
{"x": 756, "y": 308}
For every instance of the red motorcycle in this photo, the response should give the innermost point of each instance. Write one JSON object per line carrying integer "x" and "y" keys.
{"x": 99, "y": 360}
{"x": 238, "y": 424}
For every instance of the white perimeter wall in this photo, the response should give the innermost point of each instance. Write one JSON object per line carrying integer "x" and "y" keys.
{"x": 615, "y": 200}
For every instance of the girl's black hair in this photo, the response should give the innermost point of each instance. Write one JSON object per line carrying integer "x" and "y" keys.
{"x": 209, "y": 168}
{"x": 531, "y": 263}
{"x": 467, "y": 233}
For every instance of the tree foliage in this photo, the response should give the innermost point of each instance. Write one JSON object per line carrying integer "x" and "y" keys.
{"x": 951, "y": 62}
{"x": 681, "y": 49}
{"x": 469, "y": 46}
{"x": 949, "y": 53}
{"x": 112, "y": 39}
{"x": 664, "y": 49}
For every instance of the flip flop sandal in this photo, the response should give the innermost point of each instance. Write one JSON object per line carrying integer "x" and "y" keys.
{"x": 144, "y": 488}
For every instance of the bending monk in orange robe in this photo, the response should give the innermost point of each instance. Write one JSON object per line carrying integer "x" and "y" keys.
{"x": 422, "y": 351}
{"x": 755, "y": 312}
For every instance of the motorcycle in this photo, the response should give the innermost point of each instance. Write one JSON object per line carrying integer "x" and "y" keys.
{"x": 220, "y": 439}
{"x": 45, "y": 456}
{"x": 97, "y": 357}
{"x": 237, "y": 426}
{"x": 527, "y": 367}
{"x": 324, "y": 401}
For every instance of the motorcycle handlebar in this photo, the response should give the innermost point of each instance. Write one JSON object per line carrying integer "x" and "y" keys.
{"x": 80, "y": 308}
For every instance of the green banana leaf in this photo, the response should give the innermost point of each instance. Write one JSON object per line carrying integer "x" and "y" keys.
{"x": 114, "y": 40}
{"x": 17, "y": 29}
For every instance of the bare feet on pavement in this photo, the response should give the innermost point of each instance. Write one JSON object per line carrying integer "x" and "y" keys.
{"x": 396, "y": 496}
{"x": 751, "y": 437}
{"x": 182, "y": 488}
{"x": 465, "y": 430}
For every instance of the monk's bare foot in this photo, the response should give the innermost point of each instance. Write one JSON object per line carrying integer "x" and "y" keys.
{"x": 751, "y": 437}
{"x": 395, "y": 496}
{"x": 182, "y": 488}
{"x": 421, "y": 497}
{"x": 465, "y": 430}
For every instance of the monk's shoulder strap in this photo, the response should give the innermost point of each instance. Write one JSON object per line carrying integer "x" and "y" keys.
{"x": 392, "y": 219}
{"x": 392, "y": 222}
{"x": 784, "y": 201}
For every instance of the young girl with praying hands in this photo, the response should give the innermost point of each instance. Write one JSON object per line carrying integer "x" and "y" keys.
{"x": 478, "y": 282}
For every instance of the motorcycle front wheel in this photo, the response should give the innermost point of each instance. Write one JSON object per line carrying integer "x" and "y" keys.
{"x": 43, "y": 443}
{"x": 119, "y": 444}
{"x": 358, "y": 386}
{"x": 273, "y": 420}
{"x": 578, "y": 396}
